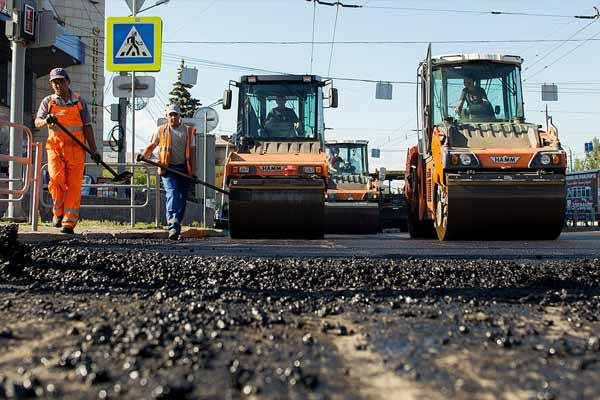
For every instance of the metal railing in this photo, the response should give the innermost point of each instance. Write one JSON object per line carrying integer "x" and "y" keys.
{"x": 144, "y": 188}
{"x": 31, "y": 164}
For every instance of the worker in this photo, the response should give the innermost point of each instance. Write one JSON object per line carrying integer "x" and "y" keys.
{"x": 474, "y": 96}
{"x": 336, "y": 162}
{"x": 177, "y": 150}
{"x": 66, "y": 158}
{"x": 282, "y": 120}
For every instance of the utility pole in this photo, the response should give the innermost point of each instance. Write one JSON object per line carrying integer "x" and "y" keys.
{"x": 122, "y": 154}
{"x": 132, "y": 191}
{"x": 18, "y": 46}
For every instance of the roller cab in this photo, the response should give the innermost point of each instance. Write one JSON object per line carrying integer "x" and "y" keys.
{"x": 479, "y": 169}
{"x": 277, "y": 175}
{"x": 353, "y": 197}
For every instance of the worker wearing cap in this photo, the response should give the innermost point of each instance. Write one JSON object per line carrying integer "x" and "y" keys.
{"x": 177, "y": 150}
{"x": 66, "y": 158}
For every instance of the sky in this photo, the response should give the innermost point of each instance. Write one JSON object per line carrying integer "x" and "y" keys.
{"x": 387, "y": 124}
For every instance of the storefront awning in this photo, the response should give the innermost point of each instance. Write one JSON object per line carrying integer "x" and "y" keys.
{"x": 67, "y": 50}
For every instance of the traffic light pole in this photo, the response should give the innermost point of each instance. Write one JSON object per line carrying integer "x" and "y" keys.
{"x": 14, "y": 210}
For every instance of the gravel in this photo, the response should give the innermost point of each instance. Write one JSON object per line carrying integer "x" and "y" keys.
{"x": 81, "y": 323}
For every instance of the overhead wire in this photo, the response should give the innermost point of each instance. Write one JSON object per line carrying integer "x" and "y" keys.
{"x": 366, "y": 42}
{"x": 312, "y": 47}
{"x": 552, "y": 50}
{"x": 337, "y": 11}
{"x": 480, "y": 12}
{"x": 561, "y": 57}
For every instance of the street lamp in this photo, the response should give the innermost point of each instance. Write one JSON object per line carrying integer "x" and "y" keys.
{"x": 570, "y": 157}
{"x": 158, "y": 3}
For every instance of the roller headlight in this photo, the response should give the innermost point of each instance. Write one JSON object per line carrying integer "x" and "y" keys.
{"x": 545, "y": 159}
{"x": 244, "y": 169}
{"x": 461, "y": 160}
{"x": 465, "y": 159}
{"x": 308, "y": 170}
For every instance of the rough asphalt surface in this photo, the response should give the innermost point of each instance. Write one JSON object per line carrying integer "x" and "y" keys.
{"x": 83, "y": 323}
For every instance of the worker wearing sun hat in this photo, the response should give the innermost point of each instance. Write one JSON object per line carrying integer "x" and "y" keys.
{"x": 66, "y": 159}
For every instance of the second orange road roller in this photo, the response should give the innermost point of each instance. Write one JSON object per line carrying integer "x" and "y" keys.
{"x": 277, "y": 173}
{"x": 353, "y": 199}
{"x": 479, "y": 169}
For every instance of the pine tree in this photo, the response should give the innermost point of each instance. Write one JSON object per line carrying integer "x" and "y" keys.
{"x": 181, "y": 96}
{"x": 591, "y": 160}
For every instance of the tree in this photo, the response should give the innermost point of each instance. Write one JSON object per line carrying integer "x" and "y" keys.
{"x": 181, "y": 96}
{"x": 591, "y": 159}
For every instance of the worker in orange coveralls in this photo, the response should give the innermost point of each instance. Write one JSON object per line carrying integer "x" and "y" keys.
{"x": 66, "y": 159}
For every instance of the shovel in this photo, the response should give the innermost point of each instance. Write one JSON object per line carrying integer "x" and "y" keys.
{"x": 174, "y": 171}
{"x": 118, "y": 178}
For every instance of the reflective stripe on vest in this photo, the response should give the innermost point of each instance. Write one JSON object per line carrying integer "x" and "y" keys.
{"x": 165, "y": 148}
{"x": 69, "y": 116}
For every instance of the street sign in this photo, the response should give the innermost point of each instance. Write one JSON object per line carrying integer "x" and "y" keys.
{"x": 212, "y": 118}
{"x": 144, "y": 86}
{"x": 189, "y": 76}
{"x": 133, "y": 44}
{"x": 549, "y": 92}
{"x": 138, "y": 5}
{"x": 383, "y": 91}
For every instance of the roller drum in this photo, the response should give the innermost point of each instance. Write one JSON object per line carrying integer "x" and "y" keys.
{"x": 520, "y": 206}
{"x": 352, "y": 217}
{"x": 284, "y": 209}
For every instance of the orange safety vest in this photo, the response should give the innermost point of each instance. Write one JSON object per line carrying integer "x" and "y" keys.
{"x": 164, "y": 147}
{"x": 70, "y": 117}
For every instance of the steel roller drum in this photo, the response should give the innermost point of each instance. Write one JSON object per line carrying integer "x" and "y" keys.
{"x": 261, "y": 208}
{"x": 351, "y": 217}
{"x": 523, "y": 206}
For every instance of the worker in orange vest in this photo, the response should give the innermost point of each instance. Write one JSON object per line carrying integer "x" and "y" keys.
{"x": 176, "y": 149}
{"x": 66, "y": 159}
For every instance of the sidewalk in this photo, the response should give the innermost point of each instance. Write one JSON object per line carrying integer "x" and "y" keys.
{"x": 50, "y": 234}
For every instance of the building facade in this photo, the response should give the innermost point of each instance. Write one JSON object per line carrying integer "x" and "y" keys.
{"x": 78, "y": 47}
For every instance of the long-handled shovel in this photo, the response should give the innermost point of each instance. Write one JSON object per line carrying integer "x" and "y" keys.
{"x": 174, "y": 171}
{"x": 118, "y": 178}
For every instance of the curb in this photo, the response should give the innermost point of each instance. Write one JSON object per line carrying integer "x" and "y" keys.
{"x": 41, "y": 237}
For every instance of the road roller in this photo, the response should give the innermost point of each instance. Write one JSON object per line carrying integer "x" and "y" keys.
{"x": 353, "y": 198}
{"x": 479, "y": 169}
{"x": 277, "y": 173}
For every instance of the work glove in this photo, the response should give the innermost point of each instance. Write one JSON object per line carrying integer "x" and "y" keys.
{"x": 97, "y": 158}
{"x": 139, "y": 157}
{"x": 51, "y": 119}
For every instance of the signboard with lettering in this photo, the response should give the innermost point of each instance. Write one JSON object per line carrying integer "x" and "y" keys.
{"x": 582, "y": 195}
{"x": 28, "y": 21}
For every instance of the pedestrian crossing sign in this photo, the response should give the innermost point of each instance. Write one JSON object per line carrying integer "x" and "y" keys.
{"x": 133, "y": 44}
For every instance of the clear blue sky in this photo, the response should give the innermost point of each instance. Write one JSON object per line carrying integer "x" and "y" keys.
{"x": 386, "y": 124}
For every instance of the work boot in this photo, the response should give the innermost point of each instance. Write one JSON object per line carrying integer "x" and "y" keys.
{"x": 67, "y": 229}
{"x": 173, "y": 234}
{"x": 57, "y": 221}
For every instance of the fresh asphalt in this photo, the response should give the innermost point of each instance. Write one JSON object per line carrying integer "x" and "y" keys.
{"x": 395, "y": 245}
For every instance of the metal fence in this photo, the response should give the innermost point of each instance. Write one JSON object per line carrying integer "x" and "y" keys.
{"x": 108, "y": 187}
{"x": 30, "y": 178}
